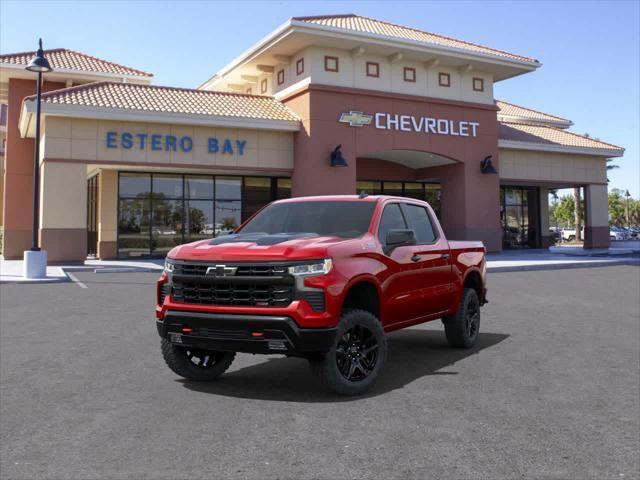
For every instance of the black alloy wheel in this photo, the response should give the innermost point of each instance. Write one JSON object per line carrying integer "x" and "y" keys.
{"x": 357, "y": 353}
{"x": 472, "y": 317}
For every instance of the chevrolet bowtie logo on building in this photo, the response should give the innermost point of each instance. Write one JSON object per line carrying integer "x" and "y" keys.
{"x": 355, "y": 119}
{"x": 222, "y": 271}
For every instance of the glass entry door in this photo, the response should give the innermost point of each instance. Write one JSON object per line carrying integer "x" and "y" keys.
{"x": 519, "y": 217}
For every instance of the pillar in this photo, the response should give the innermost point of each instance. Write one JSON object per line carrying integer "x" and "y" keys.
{"x": 470, "y": 203}
{"x": 107, "y": 214}
{"x": 63, "y": 211}
{"x": 596, "y": 216}
{"x": 546, "y": 240}
{"x": 312, "y": 170}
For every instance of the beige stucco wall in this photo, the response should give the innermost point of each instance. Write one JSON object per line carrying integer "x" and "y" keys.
{"x": 552, "y": 167}
{"x": 63, "y": 196}
{"x": 85, "y": 140}
{"x": 352, "y": 73}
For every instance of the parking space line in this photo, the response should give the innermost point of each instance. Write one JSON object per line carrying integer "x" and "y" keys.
{"x": 75, "y": 280}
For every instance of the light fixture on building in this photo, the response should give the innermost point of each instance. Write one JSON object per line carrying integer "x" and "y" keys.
{"x": 486, "y": 166}
{"x": 337, "y": 160}
{"x": 35, "y": 260}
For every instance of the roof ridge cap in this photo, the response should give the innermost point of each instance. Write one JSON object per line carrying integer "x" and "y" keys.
{"x": 533, "y": 110}
{"x": 90, "y": 85}
{"x": 315, "y": 17}
{"x": 446, "y": 37}
{"x": 562, "y": 130}
{"x": 148, "y": 74}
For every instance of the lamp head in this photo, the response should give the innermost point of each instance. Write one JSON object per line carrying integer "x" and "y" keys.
{"x": 39, "y": 62}
{"x": 337, "y": 160}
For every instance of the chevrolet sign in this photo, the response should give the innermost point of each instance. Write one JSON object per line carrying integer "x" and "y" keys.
{"x": 410, "y": 123}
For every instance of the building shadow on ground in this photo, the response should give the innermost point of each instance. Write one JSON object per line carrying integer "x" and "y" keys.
{"x": 413, "y": 354}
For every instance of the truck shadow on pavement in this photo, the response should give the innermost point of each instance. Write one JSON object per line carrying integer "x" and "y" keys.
{"x": 413, "y": 354}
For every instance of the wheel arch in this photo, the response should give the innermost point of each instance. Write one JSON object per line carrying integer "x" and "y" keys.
{"x": 363, "y": 293}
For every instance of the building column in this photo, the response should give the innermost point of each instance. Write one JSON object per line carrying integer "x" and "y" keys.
{"x": 596, "y": 216}
{"x": 470, "y": 203}
{"x": 63, "y": 211}
{"x": 312, "y": 170}
{"x": 546, "y": 240}
{"x": 107, "y": 214}
{"x": 18, "y": 173}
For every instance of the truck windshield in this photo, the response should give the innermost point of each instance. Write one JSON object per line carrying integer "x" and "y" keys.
{"x": 330, "y": 218}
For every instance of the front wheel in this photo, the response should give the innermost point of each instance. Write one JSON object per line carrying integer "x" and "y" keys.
{"x": 356, "y": 357}
{"x": 196, "y": 364}
{"x": 463, "y": 327}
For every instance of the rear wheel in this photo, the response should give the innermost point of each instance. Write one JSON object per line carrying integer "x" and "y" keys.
{"x": 463, "y": 327}
{"x": 356, "y": 357}
{"x": 196, "y": 364}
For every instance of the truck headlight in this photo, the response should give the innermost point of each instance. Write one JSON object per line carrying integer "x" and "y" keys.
{"x": 316, "y": 268}
{"x": 168, "y": 266}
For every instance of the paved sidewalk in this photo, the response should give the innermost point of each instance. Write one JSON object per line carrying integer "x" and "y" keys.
{"x": 543, "y": 259}
{"x": 506, "y": 261}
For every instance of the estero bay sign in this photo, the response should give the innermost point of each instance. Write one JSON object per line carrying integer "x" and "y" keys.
{"x": 411, "y": 123}
{"x": 171, "y": 143}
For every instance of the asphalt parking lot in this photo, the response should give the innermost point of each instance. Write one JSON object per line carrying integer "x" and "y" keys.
{"x": 551, "y": 391}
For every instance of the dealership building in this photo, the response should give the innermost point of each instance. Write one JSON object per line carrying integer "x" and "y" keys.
{"x": 323, "y": 105}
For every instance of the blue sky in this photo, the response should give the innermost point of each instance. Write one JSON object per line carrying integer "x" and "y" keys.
{"x": 589, "y": 50}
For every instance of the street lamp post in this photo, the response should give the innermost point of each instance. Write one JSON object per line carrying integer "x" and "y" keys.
{"x": 626, "y": 208}
{"x": 35, "y": 260}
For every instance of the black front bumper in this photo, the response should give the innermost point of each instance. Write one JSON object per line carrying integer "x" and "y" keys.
{"x": 243, "y": 333}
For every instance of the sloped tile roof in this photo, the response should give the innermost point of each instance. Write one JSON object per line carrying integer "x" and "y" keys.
{"x": 65, "y": 59}
{"x": 513, "y": 110}
{"x": 152, "y": 98}
{"x": 370, "y": 25}
{"x": 517, "y": 132}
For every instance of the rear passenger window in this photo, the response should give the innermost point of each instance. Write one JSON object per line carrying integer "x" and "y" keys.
{"x": 392, "y": 219}
{"x": 420, "y": 222}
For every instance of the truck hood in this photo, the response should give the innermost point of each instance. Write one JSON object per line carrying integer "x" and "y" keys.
{"x": 258, "y": 246}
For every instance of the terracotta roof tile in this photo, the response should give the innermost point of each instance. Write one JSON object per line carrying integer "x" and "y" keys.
{"x": 379, "y": 27}
{"x": 65, "y": 59}
{"x": 153, "y": 98}
{"x": 513, "y": 110}
{"x": 517, "y": 132}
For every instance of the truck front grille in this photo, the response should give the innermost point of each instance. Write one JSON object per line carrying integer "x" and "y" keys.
{"x": 251, "y": 285}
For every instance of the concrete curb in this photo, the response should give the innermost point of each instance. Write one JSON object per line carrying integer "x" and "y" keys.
{"x": 562, "y": 266}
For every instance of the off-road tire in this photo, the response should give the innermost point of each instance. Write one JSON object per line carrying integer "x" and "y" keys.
{"x": 457, "y": 327}
{"x": 326, "y": 367}
{"x": 177, "y": 359}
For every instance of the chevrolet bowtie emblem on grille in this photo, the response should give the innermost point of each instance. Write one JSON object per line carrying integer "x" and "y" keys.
{"x": 355, "y": 119}
{"x": 222, "y": 271}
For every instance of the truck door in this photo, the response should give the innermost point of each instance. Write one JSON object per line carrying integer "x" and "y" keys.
{"x": 402, "y": 286}
{"x": 432, "y": 257}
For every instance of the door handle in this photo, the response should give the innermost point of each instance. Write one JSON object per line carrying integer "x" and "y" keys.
{"x": 415, "y": 258}
{"x": 444, "y": 256}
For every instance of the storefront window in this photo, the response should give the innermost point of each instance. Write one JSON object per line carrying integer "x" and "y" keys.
{"x": 133, "y": 226}
{"x": 392, "y": 188}
{"x": 414, "y": 190}
{"x": 370, "y": 188}
{"x": 283, "y": 188}
{"x": 158, "y": 211}
{"x": 256, "y": 194}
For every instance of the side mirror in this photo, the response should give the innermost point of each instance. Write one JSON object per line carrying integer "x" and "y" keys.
{"x": 399, "y": 238}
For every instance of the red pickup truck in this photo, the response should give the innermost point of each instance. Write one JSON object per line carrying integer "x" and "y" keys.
{"x": 324, "y": 278}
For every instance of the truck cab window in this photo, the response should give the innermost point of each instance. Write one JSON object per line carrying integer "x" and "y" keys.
{"x": 391, "y": 219}
{"x": 420, "y": 222}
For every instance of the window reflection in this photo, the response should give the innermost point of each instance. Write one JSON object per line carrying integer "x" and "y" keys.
{"x": 159, "y": 211}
